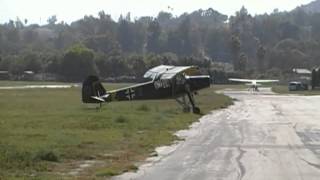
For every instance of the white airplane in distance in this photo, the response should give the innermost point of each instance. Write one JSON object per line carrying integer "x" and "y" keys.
{"x": 253, "y": 83}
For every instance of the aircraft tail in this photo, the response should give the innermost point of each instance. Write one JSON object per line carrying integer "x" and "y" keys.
{"x": 93, "y": 91}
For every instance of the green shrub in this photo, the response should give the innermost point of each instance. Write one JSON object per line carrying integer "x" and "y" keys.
{"x": 143, "y": 107}
{"x": 47, "y": 156}
{"x": 121, "y": 119}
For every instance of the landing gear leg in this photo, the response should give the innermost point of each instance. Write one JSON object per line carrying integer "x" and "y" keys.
{"x": 186, "y": 105}
{"x": 183, "y": 102}
{"x": 195, "y": 109}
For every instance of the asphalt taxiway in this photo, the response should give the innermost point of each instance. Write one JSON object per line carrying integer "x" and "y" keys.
{"x": 262, "y": 136}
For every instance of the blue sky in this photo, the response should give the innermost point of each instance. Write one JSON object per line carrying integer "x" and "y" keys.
{"x": 38, "y": 11}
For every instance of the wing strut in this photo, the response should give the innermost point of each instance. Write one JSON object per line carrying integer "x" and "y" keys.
{"x": 184, "y": 103}
{"x": 195, "y": 109}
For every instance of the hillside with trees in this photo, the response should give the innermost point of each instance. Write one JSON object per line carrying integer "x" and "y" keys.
{"x": 264, "y": 45}
{"x": 313, "y": 7}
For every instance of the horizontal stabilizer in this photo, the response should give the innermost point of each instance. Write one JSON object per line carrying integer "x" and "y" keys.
{"x": 105, "y": 96}
{"x": 93, "y": 91}
{"x": 98, "y": 98}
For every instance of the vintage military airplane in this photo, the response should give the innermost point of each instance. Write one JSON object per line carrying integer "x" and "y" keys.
{"x": 253, "y": 83}
{"x": 177, "y": 82}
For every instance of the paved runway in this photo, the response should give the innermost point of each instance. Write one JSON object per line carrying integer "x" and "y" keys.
{"x": 38, "y": 87}
{"x": 262, "y": 137}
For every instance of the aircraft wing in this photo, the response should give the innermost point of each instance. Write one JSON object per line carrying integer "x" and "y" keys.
{"x": 241, "y": 80}
{"x": 187, "y": 70}
{"x": 154, "y": 72}
{"x": 168, "y": 72}
{"x": 266, "y": 80}
{"x": 253, "y": 80}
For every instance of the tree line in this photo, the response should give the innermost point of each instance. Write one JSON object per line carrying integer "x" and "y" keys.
{"x": 269, "y": 44}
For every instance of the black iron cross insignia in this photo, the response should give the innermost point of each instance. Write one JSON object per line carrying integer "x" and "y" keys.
{"x": 130, "y": 94}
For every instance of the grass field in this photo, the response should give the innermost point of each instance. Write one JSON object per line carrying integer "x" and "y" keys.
{"x": 285, "y": 90}
{"x": 50, "y": 134}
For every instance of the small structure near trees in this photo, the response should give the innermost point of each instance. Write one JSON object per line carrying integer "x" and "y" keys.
{"x": 303, "y": 75}
{"x": 315, "y": 82}
{"x": 4, "y": 75}
{"x": 27, "y": 75}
